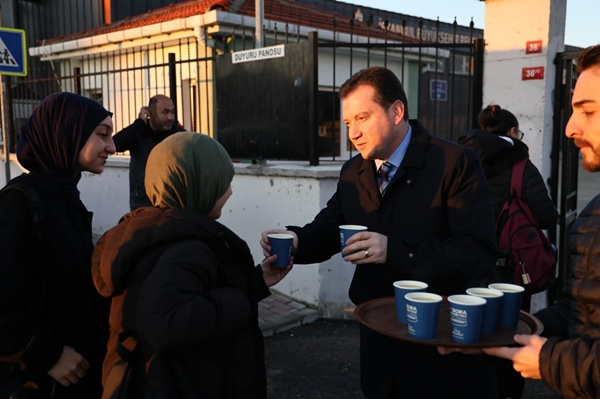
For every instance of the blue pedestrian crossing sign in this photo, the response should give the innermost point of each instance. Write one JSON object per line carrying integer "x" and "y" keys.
{"x": 13, "y": 55}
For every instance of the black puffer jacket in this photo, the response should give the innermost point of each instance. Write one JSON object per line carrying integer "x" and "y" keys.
{"x": 498, "y": 157}
{"x": 572, "y": 367}
{"x": 188, "y": 285}
{"x": 55, "y": 271}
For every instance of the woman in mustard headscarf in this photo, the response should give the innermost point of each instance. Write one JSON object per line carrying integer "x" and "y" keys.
{"x": 184, "y": 286}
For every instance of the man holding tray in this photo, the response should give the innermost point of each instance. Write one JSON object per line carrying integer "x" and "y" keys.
{"x": 426, "y": 205}
{"x": 569, "y": 361}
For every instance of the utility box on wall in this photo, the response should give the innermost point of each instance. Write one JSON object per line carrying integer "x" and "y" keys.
{"x": 263, "y": 102}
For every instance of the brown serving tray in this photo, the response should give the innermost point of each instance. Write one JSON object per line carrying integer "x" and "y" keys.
{"x": 380, "y": 315}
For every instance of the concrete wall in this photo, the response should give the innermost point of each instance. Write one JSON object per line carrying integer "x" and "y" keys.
{"x": 264, "y": 197}
{"x": 509, "y": 26}
{"x": 512, "y": 28}
{"x": 276, "y": 195}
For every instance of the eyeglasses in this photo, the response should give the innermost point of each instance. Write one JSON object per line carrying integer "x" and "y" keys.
{"x": 519, "y": 134}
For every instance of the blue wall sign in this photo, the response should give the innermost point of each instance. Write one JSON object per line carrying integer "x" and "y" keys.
{"x": 438, "y": 90}
{"x": 13, "y": 54}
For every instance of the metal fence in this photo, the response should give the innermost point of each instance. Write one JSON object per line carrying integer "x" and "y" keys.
{"x": 443, "y": 82}
{"x": 565, "y": 165}
{"x": 122, "y": 81}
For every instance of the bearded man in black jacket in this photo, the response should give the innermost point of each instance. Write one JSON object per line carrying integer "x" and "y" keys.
{"x": 568, "y": 360}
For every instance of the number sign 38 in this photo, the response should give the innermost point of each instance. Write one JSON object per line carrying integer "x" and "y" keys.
{"x": 532, "y": 73}
{"x": 533, "y": 47}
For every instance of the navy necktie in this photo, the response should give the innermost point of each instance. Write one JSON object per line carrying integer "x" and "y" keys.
{"x": 384, "y": 175}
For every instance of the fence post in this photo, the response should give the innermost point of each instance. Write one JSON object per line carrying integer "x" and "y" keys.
{"x": 313, "y": 82}
{"x": 5, "y": 81}
{"x": 77, "y": 81}
{"x": 565, "y": 164}
{"x": 477, "y": 81}
{"x": 173, "y": 80}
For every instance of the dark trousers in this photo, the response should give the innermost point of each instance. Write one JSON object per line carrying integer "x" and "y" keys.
{"x": 392, "y": 368}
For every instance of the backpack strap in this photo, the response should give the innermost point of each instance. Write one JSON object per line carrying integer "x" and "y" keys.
{"x": 516, "y": 182}
{"x": 516, "y": 189}
{"x": 132, "y": 347}
{"x": 134, "y": 350}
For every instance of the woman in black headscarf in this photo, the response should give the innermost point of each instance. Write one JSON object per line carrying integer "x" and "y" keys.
{"x": 53, "y": 324}
{"x": 499, "y": 147}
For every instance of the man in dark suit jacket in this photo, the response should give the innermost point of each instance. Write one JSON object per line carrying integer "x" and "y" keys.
{"x": 433, "y": 222}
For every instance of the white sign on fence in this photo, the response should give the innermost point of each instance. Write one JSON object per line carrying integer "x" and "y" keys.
{"x": 257, "y": 54}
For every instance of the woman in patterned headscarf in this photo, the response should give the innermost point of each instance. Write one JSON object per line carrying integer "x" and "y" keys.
{"x": 52, "y": 322}
{"x": 183, "y": 285}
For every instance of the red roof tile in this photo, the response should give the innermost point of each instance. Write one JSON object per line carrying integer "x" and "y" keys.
{"x": 284, "y": 11}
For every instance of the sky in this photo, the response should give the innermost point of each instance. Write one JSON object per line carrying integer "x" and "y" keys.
{"x": 582, "y": 15}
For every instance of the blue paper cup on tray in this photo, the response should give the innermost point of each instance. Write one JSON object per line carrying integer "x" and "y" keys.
{"x": 466, "y": 313}
{"x": 422, "y": 312}
{"x": 401, "y": 288}
{"x": 511, "y": 303}
{"x": 491, "y": 310}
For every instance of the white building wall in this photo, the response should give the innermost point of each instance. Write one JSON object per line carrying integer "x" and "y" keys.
{"x": 509, "y": 25}
{"x": 264, "y": 197}
{"x": 274, "y": 196}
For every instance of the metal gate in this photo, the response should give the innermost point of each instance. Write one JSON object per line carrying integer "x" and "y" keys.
{"x": 565, "y": 163}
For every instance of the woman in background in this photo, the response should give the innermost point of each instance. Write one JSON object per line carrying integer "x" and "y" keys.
{"x": 499, "y": 147}
{"x": 53, "y": 323}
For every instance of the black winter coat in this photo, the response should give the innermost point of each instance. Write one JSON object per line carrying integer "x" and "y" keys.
{"x": 139, "y": 139}
{"x": 498, "y": 157}
{"x": 57, "y": 273}
{"x": 437, "y": 215}
{"x": 188, "y": 285}
{"x": 572, "y": 366}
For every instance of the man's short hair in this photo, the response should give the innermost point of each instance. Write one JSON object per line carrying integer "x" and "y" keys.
{"x": 154, "y": 100}
{"x": 388, "y": 88}
{"x": 588, "y": 58}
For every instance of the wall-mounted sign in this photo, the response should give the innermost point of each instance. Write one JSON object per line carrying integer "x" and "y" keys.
{"x": 532, "y": 73}
{"x": 438, "y": 90}
{"x": 533, "y": 47}
{"x": 13, "y": 55}
{"x": 257, "y": 54}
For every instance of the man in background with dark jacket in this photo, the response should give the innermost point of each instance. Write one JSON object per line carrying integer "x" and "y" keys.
{"x": 568, "y": 360}
{"x": 154, "y": 123}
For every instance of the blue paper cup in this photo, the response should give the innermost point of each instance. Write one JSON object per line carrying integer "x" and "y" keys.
{"x": 281, "y": 245}
{"x": 491, "y": 310}
{"x": 511, "y": 303}
{"x": 466, "y": 313}
{"x": 422, "y": 312}
{"x": 347, "y": 231}
{"x": 401, "y": 288}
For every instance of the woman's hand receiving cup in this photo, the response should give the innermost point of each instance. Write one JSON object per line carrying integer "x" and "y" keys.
{"x": 265, "y": 243}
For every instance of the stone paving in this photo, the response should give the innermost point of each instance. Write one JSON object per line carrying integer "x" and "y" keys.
{"x": 278, "y": 313}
